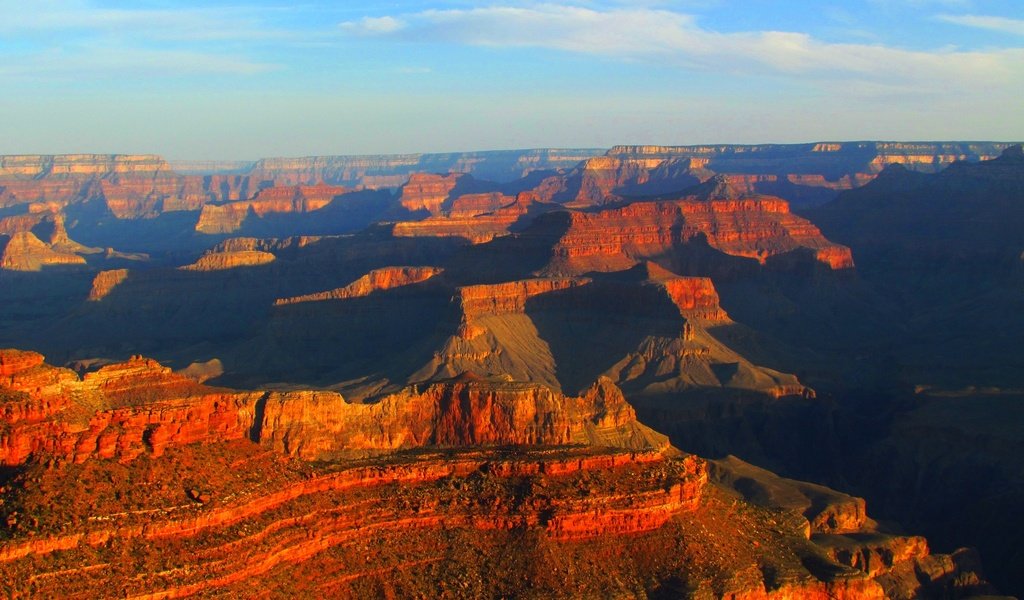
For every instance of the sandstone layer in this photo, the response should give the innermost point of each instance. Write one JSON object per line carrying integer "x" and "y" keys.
{"x": 198, "y": 501}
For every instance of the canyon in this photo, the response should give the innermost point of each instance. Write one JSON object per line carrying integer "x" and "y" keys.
{"x": 103, "y": 509}
{"x": 651, "y": 371}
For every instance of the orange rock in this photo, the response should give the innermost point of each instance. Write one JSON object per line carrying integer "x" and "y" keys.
{"x": 374, "y": 281}
{"x": 105, "y": 282}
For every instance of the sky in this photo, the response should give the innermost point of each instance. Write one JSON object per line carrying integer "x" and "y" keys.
{"x": 246, "y": 79}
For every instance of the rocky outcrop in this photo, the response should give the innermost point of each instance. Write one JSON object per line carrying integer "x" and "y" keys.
{"x": 427, "y": 191}
{"x": 229, "y": 217}
{"x": 471, "y": 205}
{"x": 374, "y": 281}
{"x": 219, "y": 261}
{"x": 616, "y": 238}
{"x": 105, "y": 282}
{"x": 119, "y": 411}
{"x": 695, "y": 297}
{"x": 126, "y": 409}
{"x": 504, "y": 471}
{"x": 467, "y": 220}
{"x": 464, "y": 411}
{"x": 626, "y": 171}
{"x": 25, "y": 252}
{"x": 80, "y": 165}
{"x": 509, "y": 297}
{"x": 18, "y": 361}
{"x": 393, "y": 170}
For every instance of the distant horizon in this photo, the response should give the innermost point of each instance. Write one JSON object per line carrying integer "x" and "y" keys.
{"x": 169, "y": 159}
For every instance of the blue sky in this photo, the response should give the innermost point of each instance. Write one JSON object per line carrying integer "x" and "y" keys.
{"x": 252, "y": 78}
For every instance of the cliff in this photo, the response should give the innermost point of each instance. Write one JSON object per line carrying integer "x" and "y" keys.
{"x": 229, "y": 217}
{"x": 192, "y": 506}
{"x": 804, "y": 173}
{"x": 427, "y": 191}
{"x": 760, "y": 228}
{"x": 219, "y": 261}
{"x": 374, "y": 281}
{"x": 646, "y": 328}
{"x": 474, "y": 217}
{"x": 393, "y": 170}
{"x": 25, "y": 252}
{"x": 462, "y": 412}
{"x": 102, "y": 166}
{"x": 127, "y": 409}
{"x": 105, "y": 282}
{"x": 120, "y": 411}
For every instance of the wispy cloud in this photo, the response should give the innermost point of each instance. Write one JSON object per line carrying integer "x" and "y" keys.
{"x": 182, "y": 24}
{"x": 59, "y": 39}
{"x": 1001, "y": 24}
{"x": 669, "y": 37}
{"x": 373, "y": 25}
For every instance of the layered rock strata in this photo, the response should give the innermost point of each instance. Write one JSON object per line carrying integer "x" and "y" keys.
{"x": 195, "y": 507}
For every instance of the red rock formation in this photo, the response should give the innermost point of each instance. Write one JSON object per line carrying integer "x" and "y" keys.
{"x": 75, "y": 165}
{"x": 105, "y": 282}
{"x": 465, "y": 411}
{"x": 476, "y": 227}
{"x": 616, "y": 238}
{"x": 374, "y": 281}
{"x": 427, "y": 191}
{"x": 119, "y": 411}
{"x": 510, "y": 297}
{"x": 471, "y": 205}
{"x": 695, "y": 297}
{"x": 15, "y": 361}
{"x": 226, "y": 218}
{"x": 25, "y": 252}
{"x": 219, "y": 261}
{"x": 646, "y": 170}
{"x": 123, "y": 410}
{"x": 201, "y": 515}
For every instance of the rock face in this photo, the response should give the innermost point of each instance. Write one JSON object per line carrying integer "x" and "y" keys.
{"x": 374, "y": 281}
{"x": 646, "y": 329}
{"x": 25, "y": 252}
{"x": 469, "y": 217}
{"x": 195, "y": 507}
{"x": 510, "y": 297}
{"x": 805, "y": 173}
{"x": 127, "y": 409}
{"x": 480, "y": 400}
{"x": 948, "y": 247}
{"x": 760, "y": 228}
{"x": 76, "y": 165}
{"x": 119, "y": 411}
{"x": 427, "y": 191}
{"x": 462, "y": 412}
{"x": 219, "y": 261}
{"x": 105, "y": 282}
{"x": 393, "y": 170}
{"x": 229, "y": 217}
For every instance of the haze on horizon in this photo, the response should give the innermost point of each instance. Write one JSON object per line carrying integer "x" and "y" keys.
{"x": 254, "y": 78}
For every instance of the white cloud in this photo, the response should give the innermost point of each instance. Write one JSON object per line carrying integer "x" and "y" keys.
{"x": 66, "y": 37}
{"x": 1001, "y": 24}
{"x": 184, "y": 24}
{"x": 374, "y": 25}
{"x": 668, "y": 37}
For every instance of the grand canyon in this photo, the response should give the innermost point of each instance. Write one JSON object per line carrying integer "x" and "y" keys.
{"x": 715, "y": 371}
